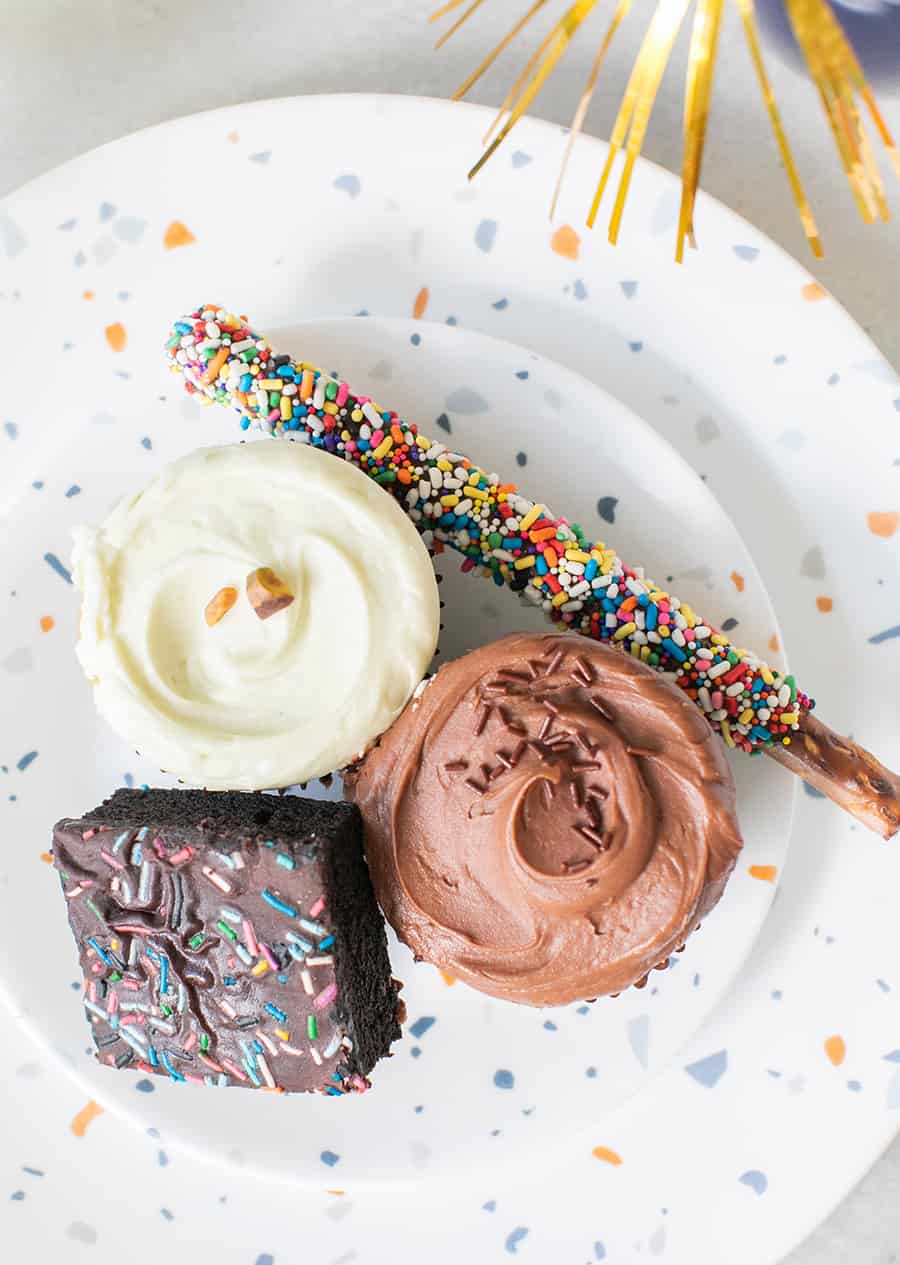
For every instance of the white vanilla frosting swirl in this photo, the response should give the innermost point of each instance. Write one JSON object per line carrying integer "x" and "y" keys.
{"x": 249, "y": 703}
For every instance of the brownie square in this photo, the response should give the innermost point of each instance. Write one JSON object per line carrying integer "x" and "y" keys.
{"x": 229, "y": 939}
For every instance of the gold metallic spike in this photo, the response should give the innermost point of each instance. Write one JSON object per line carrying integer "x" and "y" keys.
{"x": 832, "y": 64}
{"x": 842, "y": 80}
{"x": 561, "y": 36}
{"x": 698, "y": 92}
{"x": 445, "y": 9}
{"x": 507, "y": 102}
{"x": 495, "y": 52}
{"x": 578, "y": 121}
{"x": 852, "y": 80}
{"x": 807, "y": 28}
{"x": 805, "y": 32}
{"x": 862, "y": 86}
{"x": 884, "y": 132}
{"x": 656, "y": 49}
{"x": 476, "y": 4}
{"x": 618, "y": 134}
{"x": 871, "y": 176}
{"x": 807, "y": 219}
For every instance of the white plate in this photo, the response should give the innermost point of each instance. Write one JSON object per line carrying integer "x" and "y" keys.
{"x": 325, "y": 207}
{"x": 509, "y": 402}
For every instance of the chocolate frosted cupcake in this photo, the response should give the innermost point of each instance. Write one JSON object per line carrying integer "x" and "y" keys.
{"x": 548, "y": 821}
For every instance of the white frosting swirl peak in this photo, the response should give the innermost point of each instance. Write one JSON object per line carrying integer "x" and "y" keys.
{"x": 249, "y": 703}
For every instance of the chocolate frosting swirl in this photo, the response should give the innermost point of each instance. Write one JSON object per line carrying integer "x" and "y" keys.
{"x": 549, "y": 820}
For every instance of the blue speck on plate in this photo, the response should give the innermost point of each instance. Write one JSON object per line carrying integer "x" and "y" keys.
{"x": 756, "y": 1180}
{"x": 349, "y": 184}
{"x": 486, "y": 235}
{"x": 710, "y": 1070}
{"x": 514, "y": 1238}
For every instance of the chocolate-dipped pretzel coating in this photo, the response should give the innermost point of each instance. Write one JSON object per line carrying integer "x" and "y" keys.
{"x": 548, "y": 821}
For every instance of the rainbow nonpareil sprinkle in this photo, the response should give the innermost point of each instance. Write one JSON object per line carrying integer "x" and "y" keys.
{"x": 579, "y": 583}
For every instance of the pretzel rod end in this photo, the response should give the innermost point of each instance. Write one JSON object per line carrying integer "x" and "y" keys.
{"x": 850, "y": 776}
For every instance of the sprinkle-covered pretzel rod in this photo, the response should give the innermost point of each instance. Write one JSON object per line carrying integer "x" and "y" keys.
{"x": 580, "y": 583}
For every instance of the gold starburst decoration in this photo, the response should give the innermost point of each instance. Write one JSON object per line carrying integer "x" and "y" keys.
{"x": 844, "y": 91}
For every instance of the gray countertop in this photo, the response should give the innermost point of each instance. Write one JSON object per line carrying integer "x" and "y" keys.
{"x": 78, "y": 73}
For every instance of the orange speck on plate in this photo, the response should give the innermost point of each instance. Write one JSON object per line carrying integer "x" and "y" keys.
{"x": 883, "y": 524}
{"x": 813, "y": 292}
{"x": 604, "y": 1153}
{"x": 774, "y": 644}
{"x": 47, "y": 858}
{"x": 233, "y": 137}
{"x": 836, "y": 1049}
{"x": 116, "y": 336}
{"x": 738, "y": 581}
{"x": 335, "y": 1192}
{"x": 767, "y": 873}
{"x": 88, "y": 294}
{"x": 177, "y": 234}
{"x": 421, "y": 303}
{"x": 88, "y": 1113}
{"x": 566, "y": 242}
{"x": 824, "y": 604}
{"x": 449, "y": 980}
{"x": 48, "y": 623}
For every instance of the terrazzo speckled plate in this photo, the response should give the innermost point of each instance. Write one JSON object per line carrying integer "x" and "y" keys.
{"x": 519, "y": 413}
{"x": 538, "y": 1132}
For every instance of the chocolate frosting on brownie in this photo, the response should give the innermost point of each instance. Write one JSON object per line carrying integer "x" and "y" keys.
{"x": 549, "y": 820}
